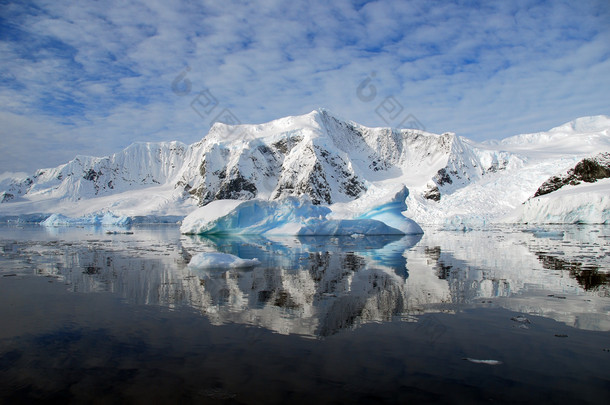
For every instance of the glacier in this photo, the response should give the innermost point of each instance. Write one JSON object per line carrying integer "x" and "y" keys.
{"x": 106, "y": 219}
{"x": 585, "y": 203}
{"x": 334, "y": 162}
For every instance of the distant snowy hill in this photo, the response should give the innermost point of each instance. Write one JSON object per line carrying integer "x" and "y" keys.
{"x": 333, "y": 161}
{"x": 582, "y": 194}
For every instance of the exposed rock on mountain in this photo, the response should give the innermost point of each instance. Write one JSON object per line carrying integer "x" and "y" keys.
{"x": 588, "y": 170}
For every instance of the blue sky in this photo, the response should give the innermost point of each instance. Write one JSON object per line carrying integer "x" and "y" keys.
{"x": 91, "y": 77}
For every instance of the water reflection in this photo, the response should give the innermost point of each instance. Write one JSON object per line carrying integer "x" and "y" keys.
{"x": 310, "y": 286}
{"x": 319, "y": 286}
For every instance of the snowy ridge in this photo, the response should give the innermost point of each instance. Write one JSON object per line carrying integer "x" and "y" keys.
{"x": 582, "y": 136}
{"x": 139, "y": 165}
{"x": 334, "y": 162}
{"x": 317, "y": 154}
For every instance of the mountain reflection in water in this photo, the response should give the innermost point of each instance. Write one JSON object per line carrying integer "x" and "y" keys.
{"x": 317, "y": 286}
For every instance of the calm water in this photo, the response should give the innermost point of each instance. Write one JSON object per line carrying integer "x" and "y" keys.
{"x": 511, "y": 315}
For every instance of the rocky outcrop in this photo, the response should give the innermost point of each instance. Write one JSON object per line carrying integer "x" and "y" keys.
{"x": 588, "y": 170}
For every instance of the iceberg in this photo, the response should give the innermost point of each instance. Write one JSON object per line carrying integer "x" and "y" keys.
{"x": 217, "y": 260}
{"x": 253, "y": 217}
{"x": 106, "y": 219}
{"x": 293, "y": 216}
{"x": 390, "y": 214}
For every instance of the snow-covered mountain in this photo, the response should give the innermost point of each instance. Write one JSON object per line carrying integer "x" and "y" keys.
{"x": 333, "y": 161}
{"x": 531, "y": 160}
{"x": 137, "y": 166}
{"x": 582, "y": 194}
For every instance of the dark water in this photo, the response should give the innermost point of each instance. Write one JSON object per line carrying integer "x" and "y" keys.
{"x": 509, "y": 315}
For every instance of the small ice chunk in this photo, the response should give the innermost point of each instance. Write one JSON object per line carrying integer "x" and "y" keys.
{"x": 489, "y": 362}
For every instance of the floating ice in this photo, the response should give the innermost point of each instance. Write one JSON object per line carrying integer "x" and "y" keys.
{"x": 290, "y": 216}
{"x": 214, "y": 260}
{"x": 520, "y": 319}
{"x": 254, "y": 217}
{"x": 489, "y": 362}
{"x": 390, "y": 213}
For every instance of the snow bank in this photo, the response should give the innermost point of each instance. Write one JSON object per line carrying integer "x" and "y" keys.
{"x": 106, "y": 219}
{"x": 292, "y": 216}
{"x": 585, "y": 203}
{"x": 217, "y": 260}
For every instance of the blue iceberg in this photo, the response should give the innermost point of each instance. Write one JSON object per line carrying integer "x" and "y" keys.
{"x": 390, "y": 213}
{"x": 296, "y": 216}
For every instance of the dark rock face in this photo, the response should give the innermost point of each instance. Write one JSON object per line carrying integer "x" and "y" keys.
{"x": 5, "y": 197}
{"x": 588, "y": 170}
{"x": 442, "y": 177}
{"x": 91, "y": 175}
{"x": 433, "y": 194}
{"x": 236, "y": 188}
{"x": 317, "y": 187}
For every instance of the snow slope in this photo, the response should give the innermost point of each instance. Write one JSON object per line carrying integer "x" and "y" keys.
{"x": 585, "y": 203}
{"x": 530, "y": 160}
{"x": 335, "y": 162}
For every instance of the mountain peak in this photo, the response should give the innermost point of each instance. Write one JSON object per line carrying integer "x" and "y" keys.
{"x": 594, "y": 123}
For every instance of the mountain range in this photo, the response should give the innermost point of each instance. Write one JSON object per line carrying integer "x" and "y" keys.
{"x": 337, "y": 162}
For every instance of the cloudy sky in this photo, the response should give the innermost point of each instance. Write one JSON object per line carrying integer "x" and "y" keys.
{"x": 91, "y": 77}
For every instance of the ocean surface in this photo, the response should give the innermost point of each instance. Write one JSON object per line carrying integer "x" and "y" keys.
{"x": 116, "y": 315}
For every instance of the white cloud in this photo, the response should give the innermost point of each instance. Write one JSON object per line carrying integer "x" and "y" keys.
{"x": 92, "y": 77}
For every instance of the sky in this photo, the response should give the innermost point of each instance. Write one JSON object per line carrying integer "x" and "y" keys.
{"x": 92, "y": 77}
